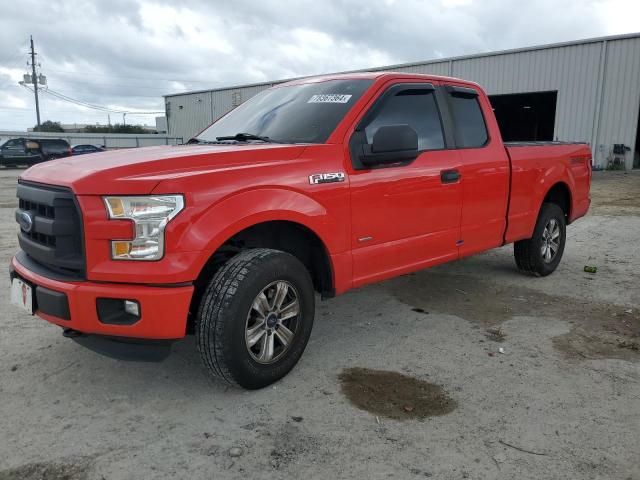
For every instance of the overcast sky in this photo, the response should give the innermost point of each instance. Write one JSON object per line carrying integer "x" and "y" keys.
{"x": 124, "y": 54}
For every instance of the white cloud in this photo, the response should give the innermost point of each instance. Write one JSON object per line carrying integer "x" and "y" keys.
{"x": 168, "y": 27}
{"x": 456, "y": 3}
{"x": 619, "y": 16}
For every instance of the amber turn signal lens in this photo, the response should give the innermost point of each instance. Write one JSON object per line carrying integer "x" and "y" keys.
{"x": 116, "y": 206}
{"x": 120, "y": 249}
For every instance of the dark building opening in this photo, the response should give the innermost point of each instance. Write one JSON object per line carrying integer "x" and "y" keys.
{"x": 525, "y": 116}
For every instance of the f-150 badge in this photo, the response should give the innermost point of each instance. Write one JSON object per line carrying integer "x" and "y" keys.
{"x": 326, "y": 178}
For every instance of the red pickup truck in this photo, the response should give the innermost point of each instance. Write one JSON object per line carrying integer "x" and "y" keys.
{"x": 317, "y": 185}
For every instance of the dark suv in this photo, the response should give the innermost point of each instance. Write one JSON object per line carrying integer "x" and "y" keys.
{"x": 29, "y": 151}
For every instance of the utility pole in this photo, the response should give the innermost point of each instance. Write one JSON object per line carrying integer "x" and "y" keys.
{"x": 35, "y": 80}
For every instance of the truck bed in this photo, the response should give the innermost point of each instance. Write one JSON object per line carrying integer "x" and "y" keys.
{"x": 538, "y": 143}
{"x": 532, "y": 165}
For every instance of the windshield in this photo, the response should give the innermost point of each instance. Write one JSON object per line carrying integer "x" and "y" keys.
{"x": 305, "y": 113}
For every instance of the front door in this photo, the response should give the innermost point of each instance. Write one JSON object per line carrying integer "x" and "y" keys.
{"x": 405, "y": 216}
{"x": 13, "y": 151}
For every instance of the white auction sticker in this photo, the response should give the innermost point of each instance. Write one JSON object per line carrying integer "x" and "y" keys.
{"x": 330, "y": 98}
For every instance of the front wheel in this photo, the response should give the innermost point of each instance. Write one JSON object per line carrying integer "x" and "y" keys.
{"x": 255, "y": 318}
{"x": 541, "y": 254}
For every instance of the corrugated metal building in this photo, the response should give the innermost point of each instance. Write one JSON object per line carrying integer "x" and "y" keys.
{"x": 587, "y": 90}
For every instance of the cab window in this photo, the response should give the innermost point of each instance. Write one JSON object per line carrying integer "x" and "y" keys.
{"x": 468, "y": 121}
{"x": 416, "y": 108}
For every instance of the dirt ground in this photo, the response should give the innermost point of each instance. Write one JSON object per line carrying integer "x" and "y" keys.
{"x": 468, "y": 370}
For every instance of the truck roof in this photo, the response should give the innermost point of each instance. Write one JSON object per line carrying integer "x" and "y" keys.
{"x": 370, "y": 75}
{"x": 386, "y": 75}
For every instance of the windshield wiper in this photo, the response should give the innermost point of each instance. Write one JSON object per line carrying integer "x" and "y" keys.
{"x": 243, "y": 137}
{"x": 198, "y": 141}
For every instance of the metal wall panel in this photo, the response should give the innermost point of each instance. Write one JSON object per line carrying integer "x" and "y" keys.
{"x": 572, "y": 71}
{"x": 621, "y": 98}
{"x": 188, "y": 114}
{"x": 226, "y": 100}
{"x": 440, "y": 68}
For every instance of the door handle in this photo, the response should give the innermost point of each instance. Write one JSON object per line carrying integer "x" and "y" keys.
{"x": 450, "y": 176}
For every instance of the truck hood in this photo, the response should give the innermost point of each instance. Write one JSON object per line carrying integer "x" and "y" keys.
{"x": 138, "y": 171}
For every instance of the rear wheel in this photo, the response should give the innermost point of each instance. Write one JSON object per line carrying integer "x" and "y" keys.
{"x": 541, "y": 254}
{"x": 255, "y": 318}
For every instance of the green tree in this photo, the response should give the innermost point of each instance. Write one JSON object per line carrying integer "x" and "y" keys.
{"x": 115, "y": 128}
{"x": 48, "y": 126}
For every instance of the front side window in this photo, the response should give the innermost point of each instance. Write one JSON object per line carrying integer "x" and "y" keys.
{"x": 468, "y": 121}
{"x": 303, "y": 113}
{"x": 416, "y": 108}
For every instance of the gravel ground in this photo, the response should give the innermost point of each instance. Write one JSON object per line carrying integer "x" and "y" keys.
{"x": 562, "y": 401}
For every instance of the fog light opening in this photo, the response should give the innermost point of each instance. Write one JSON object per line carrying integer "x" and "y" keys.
{"x": 118, "y": 311}
{"x": 132, "y": 307}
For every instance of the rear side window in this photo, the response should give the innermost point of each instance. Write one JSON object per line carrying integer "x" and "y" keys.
{"x": 416, "y": 108}
{"x": 470, "y": 129}
{"x": 55, "y": 144}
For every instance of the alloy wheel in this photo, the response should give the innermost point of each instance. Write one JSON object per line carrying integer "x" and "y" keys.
{"x": 272, "y": 322}
{"x": 550, "y": 240}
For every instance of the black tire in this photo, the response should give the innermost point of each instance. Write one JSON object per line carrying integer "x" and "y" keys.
{"x": 222, "y": 318}
{"x": 529, "y": 253}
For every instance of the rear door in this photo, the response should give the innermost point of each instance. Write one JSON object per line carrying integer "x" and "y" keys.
{"x": 405, "y": 216}
{"x": 484, "y": 169}
{"x": 34, "y": 151}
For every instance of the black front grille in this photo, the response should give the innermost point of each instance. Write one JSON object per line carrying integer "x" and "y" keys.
{"x": 41, "y": 238}
{"x": 53, "y": 237}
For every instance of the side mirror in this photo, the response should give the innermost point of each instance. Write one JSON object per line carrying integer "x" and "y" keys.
{"x": 391, "y": 144}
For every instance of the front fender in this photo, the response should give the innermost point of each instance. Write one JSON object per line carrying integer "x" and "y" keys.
{"x": 210, "y": 229}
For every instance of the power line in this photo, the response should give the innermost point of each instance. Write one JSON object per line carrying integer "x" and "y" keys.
{"x": 27, "y": 109}
{"x": 137, "y": 86}
{"x": 84, "y": 104}
{"x": 26, "y": 112}
{"x": 35, "y": 83}
{"x": 66, "y": 98}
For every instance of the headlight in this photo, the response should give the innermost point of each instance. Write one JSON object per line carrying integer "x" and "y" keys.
{"x": 150, "y": 215}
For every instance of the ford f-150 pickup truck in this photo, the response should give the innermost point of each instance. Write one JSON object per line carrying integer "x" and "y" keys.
{"x": 318, "y": 185}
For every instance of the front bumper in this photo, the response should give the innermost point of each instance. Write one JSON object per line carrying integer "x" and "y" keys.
{"x": 163, "y": 309}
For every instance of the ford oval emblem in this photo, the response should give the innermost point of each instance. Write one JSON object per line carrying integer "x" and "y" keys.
{"x": 25, "y": 221}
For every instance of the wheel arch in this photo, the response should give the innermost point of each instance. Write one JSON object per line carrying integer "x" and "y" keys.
{"x": 560, "y": 194}
{"x": 291, "y": 236}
